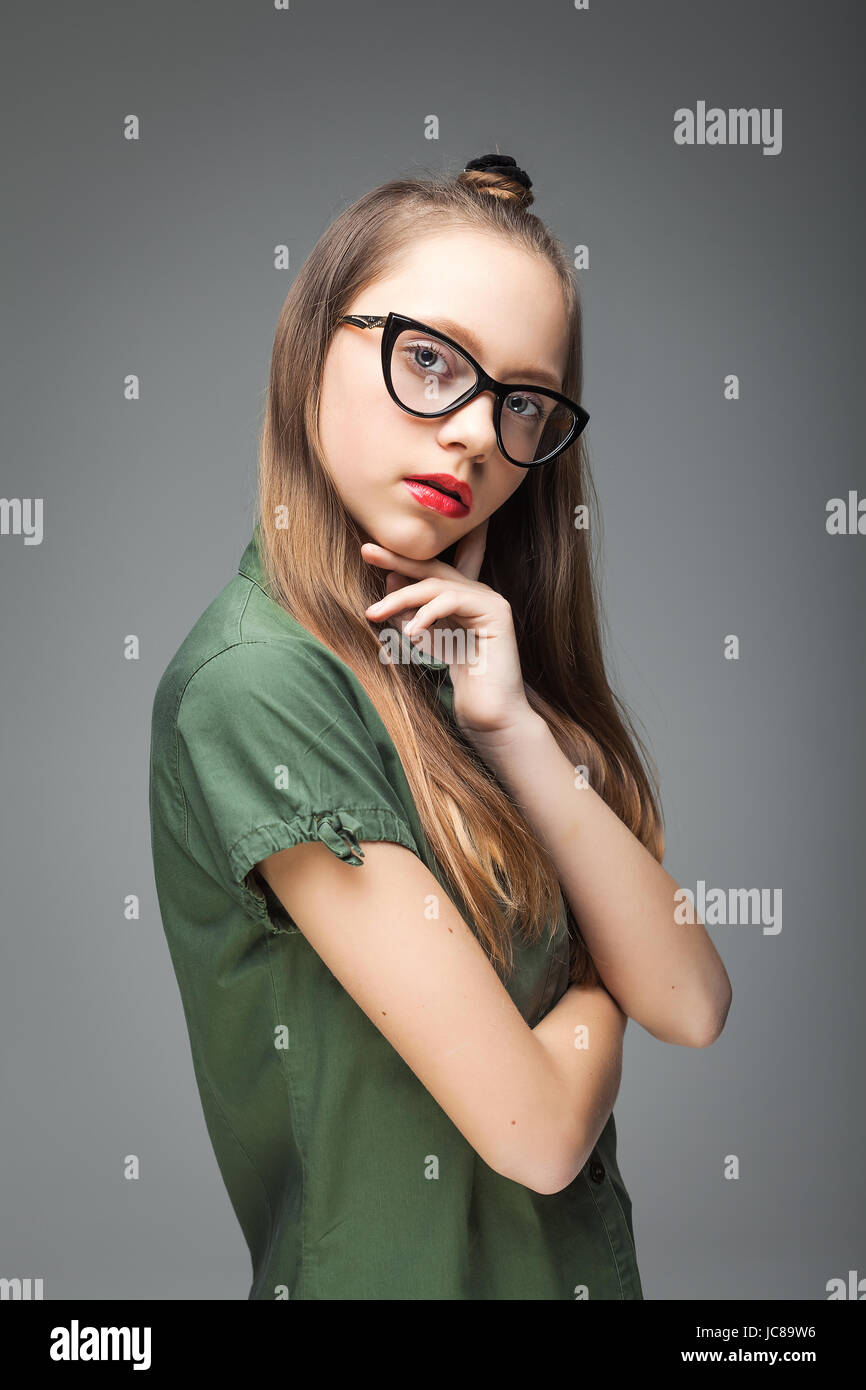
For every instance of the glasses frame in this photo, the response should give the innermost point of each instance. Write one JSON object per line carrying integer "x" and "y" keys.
{"x": 395, "y": 324}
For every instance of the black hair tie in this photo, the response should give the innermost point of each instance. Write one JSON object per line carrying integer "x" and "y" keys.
{"x": 501, "y": 164}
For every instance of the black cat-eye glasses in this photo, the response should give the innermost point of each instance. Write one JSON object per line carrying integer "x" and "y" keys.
{"x": 429, "y": 374}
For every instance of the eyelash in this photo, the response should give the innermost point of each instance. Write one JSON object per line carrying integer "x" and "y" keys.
{"x": 430, "y": 347}
{"x": 540, "y": 405}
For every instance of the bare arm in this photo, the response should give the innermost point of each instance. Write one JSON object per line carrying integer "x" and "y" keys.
{"x": 665, "y": 974}
{"x": 583, "y": 1036}
{"x": 430, "y": 989}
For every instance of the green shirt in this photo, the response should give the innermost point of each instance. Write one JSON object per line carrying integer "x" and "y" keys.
{"x": 348, "y": 1179}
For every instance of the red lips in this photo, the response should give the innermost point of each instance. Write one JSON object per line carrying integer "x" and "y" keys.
{"x": 446, "y": 481}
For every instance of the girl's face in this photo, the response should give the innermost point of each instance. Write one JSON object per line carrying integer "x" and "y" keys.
{"x": 508, "y": 305}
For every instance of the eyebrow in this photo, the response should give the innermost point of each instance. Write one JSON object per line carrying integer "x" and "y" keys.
{"x": 468, "y": 339}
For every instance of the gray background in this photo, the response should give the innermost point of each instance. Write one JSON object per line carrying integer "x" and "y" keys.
{"x": 155, "y": 257}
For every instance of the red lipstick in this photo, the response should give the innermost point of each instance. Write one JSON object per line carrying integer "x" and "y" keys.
{"x": 442, "y": 492}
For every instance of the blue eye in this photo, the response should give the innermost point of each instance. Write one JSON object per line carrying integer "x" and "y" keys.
{"x": 536, "y": 404}
{"x": 413, "y": 350}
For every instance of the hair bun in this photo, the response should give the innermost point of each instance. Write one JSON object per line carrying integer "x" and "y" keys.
{"x": 500, "y": 171}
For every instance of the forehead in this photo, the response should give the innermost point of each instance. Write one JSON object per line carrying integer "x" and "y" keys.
{"x": 502, "y": 302}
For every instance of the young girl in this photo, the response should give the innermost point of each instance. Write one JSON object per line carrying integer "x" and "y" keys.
{"x": 411, "y": 896}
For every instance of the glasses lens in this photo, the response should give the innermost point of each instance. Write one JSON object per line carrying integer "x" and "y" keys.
{"x": 428, "y": 376}
{"x": 533, "y": 425}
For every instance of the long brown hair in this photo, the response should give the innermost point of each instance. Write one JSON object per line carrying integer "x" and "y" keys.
{"x": 500, "y": 873}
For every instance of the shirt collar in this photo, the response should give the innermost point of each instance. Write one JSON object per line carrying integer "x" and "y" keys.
{"x": 251, "y": 566}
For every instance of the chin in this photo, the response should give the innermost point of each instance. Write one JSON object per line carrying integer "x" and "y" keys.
{"x": 416, "y": 541}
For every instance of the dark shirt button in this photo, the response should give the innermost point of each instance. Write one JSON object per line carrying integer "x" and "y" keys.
{"x": 596, "y": 1170}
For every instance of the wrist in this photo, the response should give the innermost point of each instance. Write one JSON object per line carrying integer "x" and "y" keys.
{"x": 499, "y": 747}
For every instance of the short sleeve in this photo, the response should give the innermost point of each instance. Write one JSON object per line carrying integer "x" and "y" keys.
{"x": 273, "y": 750}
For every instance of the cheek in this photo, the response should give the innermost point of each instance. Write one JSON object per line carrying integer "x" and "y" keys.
{"x": 359, "y": 426}
{"x": 509, "y": 489}
{"x": 344, "y": 424}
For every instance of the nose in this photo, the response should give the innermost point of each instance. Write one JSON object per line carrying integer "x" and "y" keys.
{"x": 471, "y": 425}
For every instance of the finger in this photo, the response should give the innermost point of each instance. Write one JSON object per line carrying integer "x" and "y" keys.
{"x": 408, "y": 597}
{"x": 469, "y": 555}
{"x": 396, "y": 584}
{"x": 379, "y": 555}
{"x": 396, "y": 581}
{"x": 443, "y": 605}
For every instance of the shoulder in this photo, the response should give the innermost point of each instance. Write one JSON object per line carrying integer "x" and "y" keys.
{"x": 295, "y": 674}
{"x": 241, "y": 654}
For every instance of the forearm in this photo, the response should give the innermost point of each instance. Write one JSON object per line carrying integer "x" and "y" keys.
{"x": 665, "y": 974}
{"x": 582, "y": 1036}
